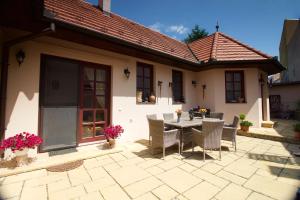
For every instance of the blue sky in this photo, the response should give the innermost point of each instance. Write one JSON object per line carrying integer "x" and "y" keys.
{"x": 257, "y": 23}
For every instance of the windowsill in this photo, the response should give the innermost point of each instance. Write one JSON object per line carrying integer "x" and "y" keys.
{"x": 237, "y": 102}
{"x": 145, "y": 103}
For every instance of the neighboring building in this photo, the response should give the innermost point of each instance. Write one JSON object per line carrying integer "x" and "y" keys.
{"x": 289, "y": 50}
{"x": 285, "y": 87}
{"x": 74, "y": 82}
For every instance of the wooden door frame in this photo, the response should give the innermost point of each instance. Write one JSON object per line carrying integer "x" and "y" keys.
{"x": 107, "y": 112}
{"x": 43, "y": 57}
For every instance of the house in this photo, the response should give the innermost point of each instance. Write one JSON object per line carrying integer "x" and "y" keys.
{"x": 70, "y": 68}
{"x": 285, "y": 88}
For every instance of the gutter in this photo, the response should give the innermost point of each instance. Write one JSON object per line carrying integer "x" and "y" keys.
{"x": 4, "y": 70}
{"x": 49, "y": 18}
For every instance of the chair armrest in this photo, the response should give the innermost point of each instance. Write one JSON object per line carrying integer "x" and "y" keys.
{"x": 173, "y": 131}
{"x": 227, "y": 128}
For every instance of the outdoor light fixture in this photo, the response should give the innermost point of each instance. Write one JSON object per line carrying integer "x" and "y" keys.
{"x": 194, "y": 83}
{"x": 127, "y": 73}
{"x": 159, "y": 83}
{"x": 170, "y": 84}
{"x": 203, "y": 88}
{"x": 20, "y": 56}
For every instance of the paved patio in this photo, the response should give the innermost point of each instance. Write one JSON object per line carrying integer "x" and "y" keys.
{"x": 260, "y": 169}
{"x": 283, "y": 131}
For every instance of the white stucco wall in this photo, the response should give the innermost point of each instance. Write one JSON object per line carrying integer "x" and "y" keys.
{"x": 23, "y": 87}
{"x": 214, "y": 99}
{"x": 22, "y": 111}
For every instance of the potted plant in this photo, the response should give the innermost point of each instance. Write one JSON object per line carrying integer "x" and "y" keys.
{"x": 178, "y": 112}
{"x": 245, "y": 124}
{"x": 152, "y": 98}
{"x": 297, "y": 131}
{"x": 203, "y": 112}
{"x": 20, "y": 144}
{"x": 111, "y": 133}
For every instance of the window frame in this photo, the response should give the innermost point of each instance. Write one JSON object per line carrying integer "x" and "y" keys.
{"x": 181, "y": 100}
{"x": 151, "y": 77}
{"x": 242, "y": 85}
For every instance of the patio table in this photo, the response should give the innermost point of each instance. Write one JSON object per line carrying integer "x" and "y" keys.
{"x": 186, "y": 123}
{"x": 182, "y": 124}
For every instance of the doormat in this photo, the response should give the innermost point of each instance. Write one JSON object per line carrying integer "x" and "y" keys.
{"x": 65, "y": 167}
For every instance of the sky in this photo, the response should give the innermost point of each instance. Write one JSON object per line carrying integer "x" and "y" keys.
{"x": 257, "y": 23}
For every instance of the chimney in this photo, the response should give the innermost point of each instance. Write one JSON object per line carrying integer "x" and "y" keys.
{"x": 104, "y": 5}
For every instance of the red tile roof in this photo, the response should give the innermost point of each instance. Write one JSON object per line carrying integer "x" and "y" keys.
{"x": 217, "y": 46}
{"x": 85, "y": 15}
{"x": 220, "y": 47}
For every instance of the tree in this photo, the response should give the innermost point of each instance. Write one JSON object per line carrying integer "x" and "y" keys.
{"x": 197, "y": 33}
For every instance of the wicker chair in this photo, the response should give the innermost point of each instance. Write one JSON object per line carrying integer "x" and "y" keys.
{"x": 168, "y": 116}
{"x": 162, "y": 138}
{"x": 209, "y": 137}
{"x": 152, "y": 116}
{"x": 230, "y": 130}
{"x": 216, "y": 115}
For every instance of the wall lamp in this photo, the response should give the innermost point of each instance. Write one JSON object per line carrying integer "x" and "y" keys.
{"x": 170, "y": 84}
{"x": 261, "y": 80}
{"x": 127, "y": 73}
{"x": 20, "y": 57}
{"x": 159, "y": 83}
{"x": 194, "y": 83}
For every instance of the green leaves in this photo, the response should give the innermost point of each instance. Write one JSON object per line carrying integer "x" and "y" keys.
{"x": 197, "y": 33}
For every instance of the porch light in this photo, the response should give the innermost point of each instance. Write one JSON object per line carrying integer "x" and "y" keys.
{"x": 194, "y": 83}
{"x": 127, "y": 73}
{"x": 20, "y": 56}
{"x": 261, "y": 80}
{"x": 159, "y": 83}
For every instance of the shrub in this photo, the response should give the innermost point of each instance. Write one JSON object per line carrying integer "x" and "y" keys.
{"x": 21, "y": 141}
{"x": 298, "y": 105}
{"x": 297, "y": 127}
{"x": 242, "y": 117}
{"x": 246, "y": 123}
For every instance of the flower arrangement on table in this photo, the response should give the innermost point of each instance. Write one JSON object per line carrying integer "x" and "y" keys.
{"x": 21, "y": 141}
{"x": 112, "y": 132}
{"x": 203, "y": 111}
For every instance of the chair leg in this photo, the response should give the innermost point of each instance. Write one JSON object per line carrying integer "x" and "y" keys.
{"x": 179, "y": 148}
{"x": 182, "y": 146}
{"x": 235, "y": 145}
{"x": 220, "y": 153}
{"x": 164, "y": 152}
{"x": 149, "y": 140}
{"x": 203, "y": 155}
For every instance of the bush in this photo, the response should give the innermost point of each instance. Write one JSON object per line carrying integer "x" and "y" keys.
{"x": 242, "y": 117}
{"x": 246, "y": 123}
{"x": 297, "y": 127}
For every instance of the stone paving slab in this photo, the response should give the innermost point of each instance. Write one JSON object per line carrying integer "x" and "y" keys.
{"x": 259, "y": 169}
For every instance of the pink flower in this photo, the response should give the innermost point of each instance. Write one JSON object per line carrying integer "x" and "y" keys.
{"x": 112, "y": 132}
{"x": 21, "y": 141}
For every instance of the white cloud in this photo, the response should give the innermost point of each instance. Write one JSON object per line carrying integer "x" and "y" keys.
{"x": 179, "y": 29}
{"x": 157, "y": 26}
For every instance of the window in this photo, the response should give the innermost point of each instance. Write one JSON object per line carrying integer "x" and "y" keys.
{"x": 144, "y": 81}
{"x": 234, "y": 84}
{"x": 177, "y": 82}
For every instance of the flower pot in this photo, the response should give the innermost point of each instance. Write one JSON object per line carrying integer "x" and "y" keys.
{"x": 152, "y": 98}
{"x": 139, "y": 96}
{"x": 112, "y": 142}
{"x": 245, "y": 128}
{"x": 21, "y": 156}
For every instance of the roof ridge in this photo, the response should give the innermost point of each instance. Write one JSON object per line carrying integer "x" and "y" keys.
{"x": 247, "y": 46}
{"x": 201, "y": 39}
{"x": 214, "y": 46}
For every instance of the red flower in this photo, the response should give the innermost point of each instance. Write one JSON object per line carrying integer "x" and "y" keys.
{"x": 113, "y": 132}
{"x": 21, "y": 141}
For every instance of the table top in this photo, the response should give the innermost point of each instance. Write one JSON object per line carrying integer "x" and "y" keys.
{"x": 185, "y": 123}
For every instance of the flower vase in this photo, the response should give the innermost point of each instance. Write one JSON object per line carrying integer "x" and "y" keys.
{"x": 178, "y": 118}
{"x": 203, "y": 115}
{"x": 21, "y": 156}
{"x": 112, "y": 142}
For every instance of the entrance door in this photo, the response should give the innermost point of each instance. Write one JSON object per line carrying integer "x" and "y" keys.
{"x": 59, "y": 97}
{"x": 94, "y": 102}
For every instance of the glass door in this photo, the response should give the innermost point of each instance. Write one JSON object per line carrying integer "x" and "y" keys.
{"x": 95, "y": 102}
